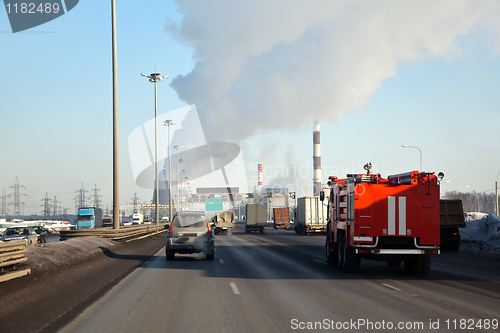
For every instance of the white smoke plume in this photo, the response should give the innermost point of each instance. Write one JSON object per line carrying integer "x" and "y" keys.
{"x": 265, "y": 65}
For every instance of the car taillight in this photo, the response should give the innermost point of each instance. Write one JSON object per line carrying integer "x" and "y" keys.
{"x": 170, "y": 229}
{"x": 209, "y": 227}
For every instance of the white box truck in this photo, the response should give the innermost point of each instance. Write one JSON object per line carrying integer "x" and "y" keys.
{"x": 311, "y": 216}
{"x": 256, "y": 218}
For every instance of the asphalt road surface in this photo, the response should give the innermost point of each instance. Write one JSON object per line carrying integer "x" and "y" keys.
{"x": 280, "y": 282}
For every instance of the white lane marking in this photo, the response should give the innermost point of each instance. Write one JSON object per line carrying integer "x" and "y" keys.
{"x": 402, "y": 216}
{"x": 234, "y": 289}
{"x": 390, "y": 287}
{"x": 221, "y": 261}
{"x": 286, "y": 250}
{"x": 391, "y": 215}
{"x": 317, "y": 260}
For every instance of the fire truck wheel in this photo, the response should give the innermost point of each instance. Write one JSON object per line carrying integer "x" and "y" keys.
{"x": 340, "y": 249}
{"x": 351, "y": 259}
{"x": 424, "y": 263}
{"x": 419, "y": 265}
{"x": 394, "y": 263}
{"x": 331, "y": 256}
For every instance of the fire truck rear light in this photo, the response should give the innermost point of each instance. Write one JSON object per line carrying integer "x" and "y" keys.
{"x": 376, "y": 251}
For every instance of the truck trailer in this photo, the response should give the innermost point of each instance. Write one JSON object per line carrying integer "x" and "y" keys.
{"x": 256, "y": 218}
{"x": 394, "y": 220}
{"x": 451, "y": 214}
{"x": 311, "y": 216}
{"x": 224, "y": 223}
{"x": 89, "y": 218}
{"x": 281, "y": 216}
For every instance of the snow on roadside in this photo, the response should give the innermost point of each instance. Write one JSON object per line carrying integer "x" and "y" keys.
{"x": 58, "y": 255}
{"x": 481, "y": 234}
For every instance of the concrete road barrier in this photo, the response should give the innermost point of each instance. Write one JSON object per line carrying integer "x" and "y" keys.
{"x": 11, "y": 255}
{"x": 125, "y": 233}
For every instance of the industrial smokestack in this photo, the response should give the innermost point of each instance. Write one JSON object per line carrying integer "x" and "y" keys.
{"x": 316, "y": 161}
{"x": 259, "y": 178}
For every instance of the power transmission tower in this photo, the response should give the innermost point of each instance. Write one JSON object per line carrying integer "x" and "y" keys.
{"x": 135, "y": 202}
{"x": 96, "y": 196}
{"x": 46, "y": 206}
{"x": 17, "y": 203}
{"x": 80, "y": 198}
{"x": 55, "y": 207}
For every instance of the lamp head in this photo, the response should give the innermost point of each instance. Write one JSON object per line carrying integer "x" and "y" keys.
{"x": 440, "y": 176}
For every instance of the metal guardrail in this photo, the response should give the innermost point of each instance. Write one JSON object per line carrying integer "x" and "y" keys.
{"x": 125, "y": 233}
{"x": 11, "y": 255}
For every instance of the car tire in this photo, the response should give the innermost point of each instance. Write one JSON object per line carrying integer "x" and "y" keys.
{"x": 170, "y": 255}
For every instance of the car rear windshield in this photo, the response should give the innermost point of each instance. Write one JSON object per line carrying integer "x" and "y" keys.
{"x": 191, "y": 220}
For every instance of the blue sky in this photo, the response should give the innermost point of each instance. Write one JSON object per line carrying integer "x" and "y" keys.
{"x": 439, "y": 93}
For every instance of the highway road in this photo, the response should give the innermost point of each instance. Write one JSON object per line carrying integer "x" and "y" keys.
{"x": 280, "y": 282}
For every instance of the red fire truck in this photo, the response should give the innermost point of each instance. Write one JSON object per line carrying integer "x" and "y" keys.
{"x": 394, "y": 220}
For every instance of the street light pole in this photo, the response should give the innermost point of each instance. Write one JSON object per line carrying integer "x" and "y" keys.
{"x": 116, "y": 160}
{"x": 406, "y": 146}
{"x": 169, "y": 123}
{"x": 155, "y": 77}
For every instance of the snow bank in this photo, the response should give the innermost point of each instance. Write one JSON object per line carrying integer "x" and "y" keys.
{"x": 58, "y": 255}
{"x": 482, "y": 233}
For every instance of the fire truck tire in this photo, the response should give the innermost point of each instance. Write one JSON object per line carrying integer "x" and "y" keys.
{"x": 351, "y": 260}
{"x": 331, "y": 256}
{"x": 340, "y": 249}
{"x": 394, "y": 263}
{"x": 421, "y": 264}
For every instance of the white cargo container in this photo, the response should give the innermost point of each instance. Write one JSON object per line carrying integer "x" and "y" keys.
{"x": 256, "y": 218}
{"x": 311, "y": 216}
